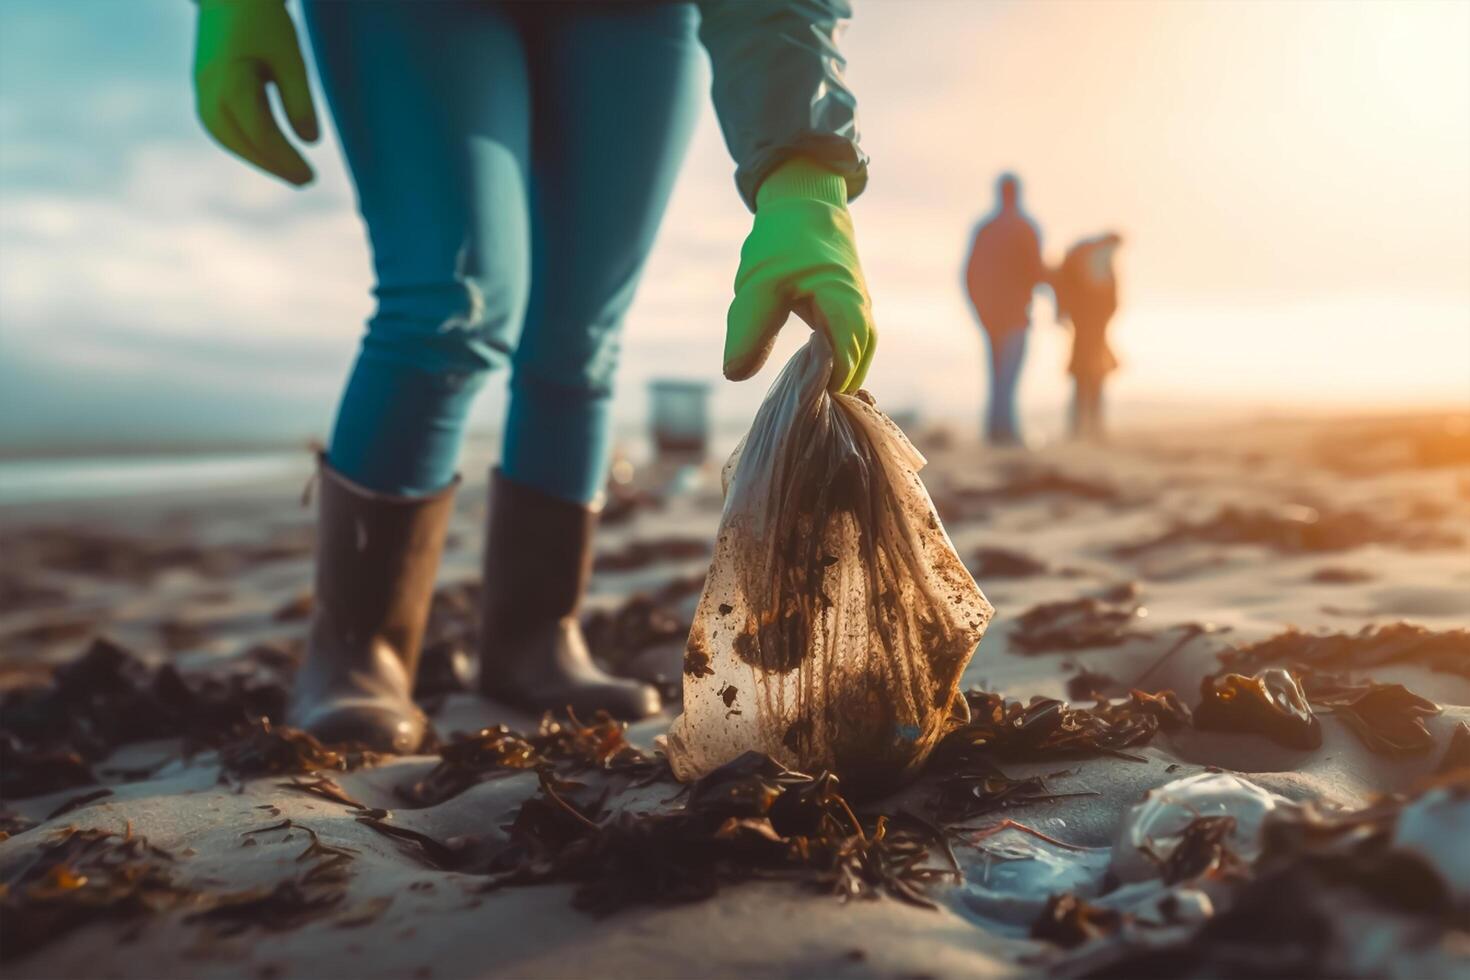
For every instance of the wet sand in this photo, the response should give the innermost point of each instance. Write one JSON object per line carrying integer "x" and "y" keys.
{"x": 1131, "y": 566}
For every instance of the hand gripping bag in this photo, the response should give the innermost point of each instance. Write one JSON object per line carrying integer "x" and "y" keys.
{"x": 836, "y": 618}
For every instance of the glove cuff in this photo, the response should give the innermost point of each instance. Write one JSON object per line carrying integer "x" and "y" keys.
{"x": 800, "y": 178}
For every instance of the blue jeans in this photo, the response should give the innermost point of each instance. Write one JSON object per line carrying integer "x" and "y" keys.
{"x": 512, "y": 163}
{"x": 1007, "y": 354}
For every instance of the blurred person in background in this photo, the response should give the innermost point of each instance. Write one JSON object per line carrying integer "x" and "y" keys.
{"x": 511, "y": 163}
{"x": 1086, "y": 289}
{"x": 1005, "y": 268}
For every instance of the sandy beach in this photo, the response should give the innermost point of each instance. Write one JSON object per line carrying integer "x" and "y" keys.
{"x": 166, "y": 833}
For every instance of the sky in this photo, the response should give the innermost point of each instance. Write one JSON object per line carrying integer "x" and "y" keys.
{"x": 1292, "y": 182}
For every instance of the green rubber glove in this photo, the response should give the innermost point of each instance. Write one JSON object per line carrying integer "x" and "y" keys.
{"x": 801, "y": 258}
{"x": 241, "y": 46}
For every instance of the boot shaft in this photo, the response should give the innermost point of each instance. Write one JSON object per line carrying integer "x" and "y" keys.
{"x": 377, "y": 556}
{"x": 538, "y": 560}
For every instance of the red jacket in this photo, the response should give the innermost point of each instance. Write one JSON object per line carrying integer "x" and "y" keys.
{"x": 1004, "y": 270}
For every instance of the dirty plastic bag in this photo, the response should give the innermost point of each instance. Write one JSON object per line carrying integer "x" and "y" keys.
{"x": 836, "y": 618}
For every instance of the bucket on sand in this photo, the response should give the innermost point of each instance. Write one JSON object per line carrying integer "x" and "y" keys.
{"x": 679, "y": 417}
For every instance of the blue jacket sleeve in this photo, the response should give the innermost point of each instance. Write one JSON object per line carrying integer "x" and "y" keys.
{"x": 778, "y": 87}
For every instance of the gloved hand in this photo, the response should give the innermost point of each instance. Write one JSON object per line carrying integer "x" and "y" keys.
{"x": 801, "y": 258}
{"x": 242, "y": 45}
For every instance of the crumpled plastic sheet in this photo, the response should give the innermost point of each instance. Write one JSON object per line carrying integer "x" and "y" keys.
{"x": 1156, "y": 824}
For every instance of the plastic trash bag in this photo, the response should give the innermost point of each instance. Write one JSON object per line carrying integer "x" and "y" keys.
{"x": 1155, "y": 826}
{"x": 836, "y": 619}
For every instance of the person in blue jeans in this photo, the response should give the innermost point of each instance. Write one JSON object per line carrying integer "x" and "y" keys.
{"x": 1003, "y": 271}
{"x": 512, "y": 162}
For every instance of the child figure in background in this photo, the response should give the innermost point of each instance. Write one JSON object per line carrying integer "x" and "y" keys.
{"x": 1086, "y": 289}
{"x": 512, "y": 162}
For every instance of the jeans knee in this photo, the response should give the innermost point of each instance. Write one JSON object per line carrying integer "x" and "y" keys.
{"x": 460, "y": 327}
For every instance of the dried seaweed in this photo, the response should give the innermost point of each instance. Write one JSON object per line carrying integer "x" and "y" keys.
{"x": 277, "y": 750}
{"x": 999, "y": 728}
{"x": 1446, "y": 651}
{"x": 751, "y": 818}
{"x": 31, "y": 770}
{"x": 1270, "y": 703}
{"x": 440, "y": 856}
{"x": 1341, "y": 575}
{"x": 326, "y": 788}
{"x": 1076, "y": 624}
{"x": 466, "y": 760}
{"x": 640, "y": 622}
{"x": 639, "y": 553}
{"x": 1089, "y": 685}
{"x": 993, "y": 563}
{"x": 961, "y": 796}
{"x": 80, "y": 876}
{"x": 12, "y": 823}
{"x": 1389, "y": 718}
{"x": 77, "y": 802}
{"x": 315, "y": 892}
{"x": 1294, "y": 530}
{"x": 107, "y": 697}
{"x": 1286, "y": 919}
{"x": 276, "y": 908}
{"x": 1203, "y": 848}
{"x": 1071, "y": 921}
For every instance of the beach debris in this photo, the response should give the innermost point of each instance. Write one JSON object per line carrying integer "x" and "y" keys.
{"x": 1005, "y": 563}
{"x": 1329, "y": 892}
{"x": 1088, "y": 685}
{"x": 640, "y": 622}
{"x": 640, "y": 553}
{"x": 315, "y": 892}
{"x": 284, "y": 905}
{"x": 1269, "y": 703}
{"x": 1195, "y": 824}
{"x": 323, "y": 786}
{"x": 963, "y": 795}
{"x": 1203, "y": 848}
{"x": 1015, "y": 871}
{"x": 52, "y": 733}
{"x": 835, "y": 601}
{"x": 1071, "y": 921}
{"x": 451, "y": 855}
{"x": 1389, "y": 718}
{"x": 1077, "y": 624}
{"x": 1457, "y": 754}
{"x": 98, "y": 553}
{"x": 1447, "y": 651}
{"x": 34, "y": 770}
{"x": 1433, "y": 829}
{"x": 80, "y": 876}
{"x": 77, "y": 802}
{"x": 295, "y": 609}
{"x": 622, "y": 501}
{"x": 1294, "y": 529}
{"x": 468, "y": 759}
{"x": 1341, "y": 575}
{"x": 1381, "y": 446}
{"x": 264, "y": 749}
{"x": 1000, "y": 728}
{"x": 751, "y": 818}
{"x": 12, "y": 823}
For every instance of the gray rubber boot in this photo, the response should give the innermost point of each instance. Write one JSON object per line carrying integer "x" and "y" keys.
{"x": 376, "y": 559}
{"x": 538, "y": 558}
